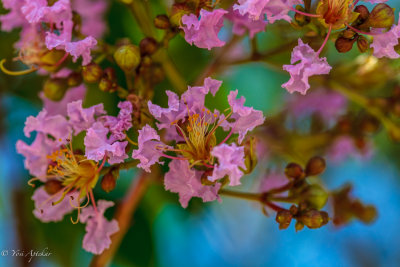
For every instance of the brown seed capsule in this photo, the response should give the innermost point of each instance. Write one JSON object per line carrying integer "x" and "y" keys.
{"x": 54, "y": 89}
{"x": 52, "y": 186}
{"x": 344, "y": 45}
{"x": 382, "y": 16}
{"x": 294, "y": 170}
{"x": 148, "y": 46}
{"x": 162, "y": 22}
{"x": 92, "y": 73}
{"x": 362, "y": 44}
{"x": 108, "y": 182}
{"x": 363, "y": 11}
{"x": 316, "y": 165}
{"x": 284, "y": 218}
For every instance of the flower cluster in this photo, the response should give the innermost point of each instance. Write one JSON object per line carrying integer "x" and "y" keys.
{"x": 201, "y": 161}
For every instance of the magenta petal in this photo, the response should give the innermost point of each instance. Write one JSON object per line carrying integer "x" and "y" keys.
{"x": 98, "y": 228}
{"x": 81, "y": 48}
{"x": 230, "y": 159}
{"x": 187, "y": 183}
{"x": 147, "y": 153}
{"x": 204, "y": 32}
{"x": 46, "y": 211}
{"x": 56, "y": 125}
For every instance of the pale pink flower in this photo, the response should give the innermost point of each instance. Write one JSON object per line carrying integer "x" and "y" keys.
{"x": 81, "y": 118}
{"x": 242, "y": 23}
{"x": 384, "y": 43}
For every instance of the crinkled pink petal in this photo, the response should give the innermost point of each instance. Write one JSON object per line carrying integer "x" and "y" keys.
{"x": 245, "y": 118}
{"x": 58, "y": 41}
{"x": 60, "y": 107}
{"x": 230, "y": 159}
{"x": 279, "y": 9}
{"x": 310, "y": 64}
{"x": 123, "y": 122}
{"x": 34, "y": 10}
{"x": 83, "y": 118}
{"x": 187, "y": 183}
{"x": 98, "y": 228}
{"x": 147, "y": 153}
{"x": 384, "y": 43}
{"x": 56, "y": 125}
{"x": 242, "y": 23}
{"x": 253, "y": 8}
{"x": 14, "y": 18}
{"x": 203, "y": 32}
{"x": 46, "y": 211}
{"x": 98, "y": 146}
{"x": 36, "y": 160}
{"x": 81, "y": 48}
{"x": 58, "y": 13}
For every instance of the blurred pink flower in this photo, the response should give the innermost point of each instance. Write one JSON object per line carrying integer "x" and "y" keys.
{"x": 310, "y": 64}
{"x": 14, "y": 18}
{"x": 92, "y": 15}
{"x": 203, "y": 32}
{"x": 344, "y": 147}
{"x": 242, "y": 23}
{"x": 98, "y": 228}
{"x": 187, "y": 183}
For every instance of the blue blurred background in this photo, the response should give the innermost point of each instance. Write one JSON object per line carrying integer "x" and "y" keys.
{"x": 231, "y": 233}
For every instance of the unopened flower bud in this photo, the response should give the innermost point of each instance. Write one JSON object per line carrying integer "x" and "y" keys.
{"x": 314, "y": 219}
{"x": 109, "y": 73}
{"x": 178, "y": 10}
{"x": 250, "y": 159}
{"x": 74, "y": 79}
{"x": 368, "y": 214}
{"x": 316, "y": 165}
{"x": 105, "y": 84}
{"x": 315, "y": 196}
{"x": 162, "y": 22}
{"x": 363, "y": 11}
{"x": 91, "y": 73}
{"x": 294, "y": 170}
{"x": 362, "y": 44}
{"x": 299, "y": 226}
{"x": 127, "y": 57}
{"x": 283, "y": 217}
{"x": 344, "y": 45}
{"x": 54, "y": 89}
{"x": 52, "y": 186}
{"x": 108, "y": 182}
{"x": 382, "y": 16}
{"x": 148, "y": 46}
{"x": 349, "y": 33}
{"x": 49, "y": 61}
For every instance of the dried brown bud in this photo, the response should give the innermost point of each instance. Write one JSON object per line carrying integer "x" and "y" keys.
{"x": 52, "y": 186}
{"x": 294, "y": 170}
{"x": 108, "y": 182}
{"x": 162, "y": 22}
{"x": 362, "y": 44}
{"x": 148, "y": 46}
{"x": 92, "y": 73}
{"x": 344, "y": 45}
{"x": 363, "y": 11}
{"x": 382, "y": 16}
{"x": 54, "y": 89}
{"x": 316, "y": 165}
{"x": 283, "y": 217}
{"x": 314, "y": 219}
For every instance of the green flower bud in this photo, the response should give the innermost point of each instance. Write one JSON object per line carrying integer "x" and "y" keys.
{"x": 316, "y": 165}
{"x": 382, "y": 16}
{"x": 54, "y": 89}
{"x": 92, "y": 73}
{"x": 50, "y": 59}
{"x": 127, "y": 57}
{"x": 162, "y": 22}
{"x": 315, "y": 196}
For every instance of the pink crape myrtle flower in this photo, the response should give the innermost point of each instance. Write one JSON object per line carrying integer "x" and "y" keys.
{"x": 60, "y": 107}
{"x": 344, "y": 147}
{"x": 203, "y": 32}
{"x": 200, "y": 161}
{"x": 384, "y": 43}
{"x": 243, "y": 23}
{"x": 92, "y": 15}
{"x": 273, "y": 9}
{"x": 98, "y": 228}
{"x": 308, "y": 64}
{"x": 81, "y": 118}
{"x": 14, "y": 18}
